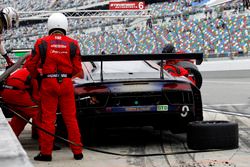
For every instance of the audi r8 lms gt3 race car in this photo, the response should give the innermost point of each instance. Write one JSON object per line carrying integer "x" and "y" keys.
{"x": 130, "y": 90}
{"x": 134, "y": 91}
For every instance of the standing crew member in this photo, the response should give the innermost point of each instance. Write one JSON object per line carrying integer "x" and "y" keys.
{"x": 60, "y": 59}
{"x": 8, "y": 19}
{"x": 20, "y": 92}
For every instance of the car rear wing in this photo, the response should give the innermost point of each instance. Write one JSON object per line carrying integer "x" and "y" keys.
{"x": 133, "y": 57}
{"x": 129, "y": 57}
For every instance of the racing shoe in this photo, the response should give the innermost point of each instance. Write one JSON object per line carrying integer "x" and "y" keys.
{"x": 78, "y": 156}
{"x": 42, "y": 157}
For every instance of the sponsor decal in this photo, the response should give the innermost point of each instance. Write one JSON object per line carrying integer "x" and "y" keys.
{"x": 126, "y": 5}
{"x": 56, "y": 75}
{"x": 58, "y": 37}
{"x": 58, "y": 42}
{"x": 59, "y": 52}
{"x": 162, "y": 107}
{"x": 139, "y": 108}
{"x": 131, "y": 109}
{"x": 58, "y": 46}
{"x": 7, "y": 87}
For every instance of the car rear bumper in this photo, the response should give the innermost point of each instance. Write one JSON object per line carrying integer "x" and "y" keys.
{"x": 164, "y": 120}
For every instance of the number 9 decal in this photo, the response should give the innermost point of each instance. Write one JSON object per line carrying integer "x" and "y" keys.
{"x": 185, "y": 110}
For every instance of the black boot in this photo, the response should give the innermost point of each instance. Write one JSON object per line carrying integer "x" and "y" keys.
{"x": 41, "y": 157}
{"x": 78, "y": 156}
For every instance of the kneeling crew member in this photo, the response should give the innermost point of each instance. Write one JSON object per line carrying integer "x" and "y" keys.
{"x": 20, "y": 92}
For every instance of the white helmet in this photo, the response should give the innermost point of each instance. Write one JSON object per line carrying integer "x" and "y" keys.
{"x": 57, "y": 21}
{"x": 11, "y": 17}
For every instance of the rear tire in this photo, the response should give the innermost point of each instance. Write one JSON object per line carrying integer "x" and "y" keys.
{"x": 89, "y": 131}
{"x": 212, "y": 135}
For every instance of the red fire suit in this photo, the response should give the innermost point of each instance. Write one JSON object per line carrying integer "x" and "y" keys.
{"x": 176, "y": 70}
{"x": 20, "y": 93}
{"x": 58, "y": 65}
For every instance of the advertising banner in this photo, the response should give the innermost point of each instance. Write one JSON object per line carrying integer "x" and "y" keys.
{"x": 126, "y": 5}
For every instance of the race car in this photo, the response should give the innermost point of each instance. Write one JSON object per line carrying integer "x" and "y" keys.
{"x": 133, "y": 91}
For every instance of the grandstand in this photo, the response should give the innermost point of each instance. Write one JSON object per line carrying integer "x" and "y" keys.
{"x": 213, "y": 3}
{"x": 189, "y": 26}
{"x": 31, "y": 5}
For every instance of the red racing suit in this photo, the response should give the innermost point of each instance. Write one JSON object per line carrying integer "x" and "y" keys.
{"x": 176, "y": 70}
{"x": 60, "y": 60}
{"x": 20, "y": 93}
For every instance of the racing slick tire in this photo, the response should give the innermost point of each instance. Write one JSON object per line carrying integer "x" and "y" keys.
{"x": 212, "y": 135}
{"x": 192, "y": 70}
{"x": 90, "y": 132}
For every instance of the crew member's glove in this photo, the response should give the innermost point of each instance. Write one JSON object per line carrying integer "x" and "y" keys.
{"x": 8, "y": 60}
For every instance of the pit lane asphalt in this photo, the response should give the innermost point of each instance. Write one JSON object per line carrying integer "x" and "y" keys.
{"x": 227, "y": 94}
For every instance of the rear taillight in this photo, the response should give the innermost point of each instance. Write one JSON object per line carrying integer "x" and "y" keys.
{"x": 91, "y": 89}
{"x": 177, "y": 86}
{"x": 92, "y": 96}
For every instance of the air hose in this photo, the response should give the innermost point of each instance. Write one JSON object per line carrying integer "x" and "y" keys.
{"x": 103, "y": 151}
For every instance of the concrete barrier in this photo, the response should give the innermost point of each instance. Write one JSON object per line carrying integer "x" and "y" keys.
{"x": 218, "y": 68}
{"x": 12, "y": 153}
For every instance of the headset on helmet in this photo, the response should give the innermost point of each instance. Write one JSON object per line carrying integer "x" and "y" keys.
{"x": 57, "y": 21}
{"x": 169, "y": 48}
{"x": 11, "y": 17}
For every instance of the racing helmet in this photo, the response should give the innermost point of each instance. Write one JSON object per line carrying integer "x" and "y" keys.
{"x": 11, "y": 17}
{"x": 57, "y": 21}
{"x": 169, "y": 48}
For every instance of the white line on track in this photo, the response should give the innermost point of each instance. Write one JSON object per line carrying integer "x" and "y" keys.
{"x": 227, "y": 112}
{"x": 218, "y": 105}
{"x": 227, "y": 82}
